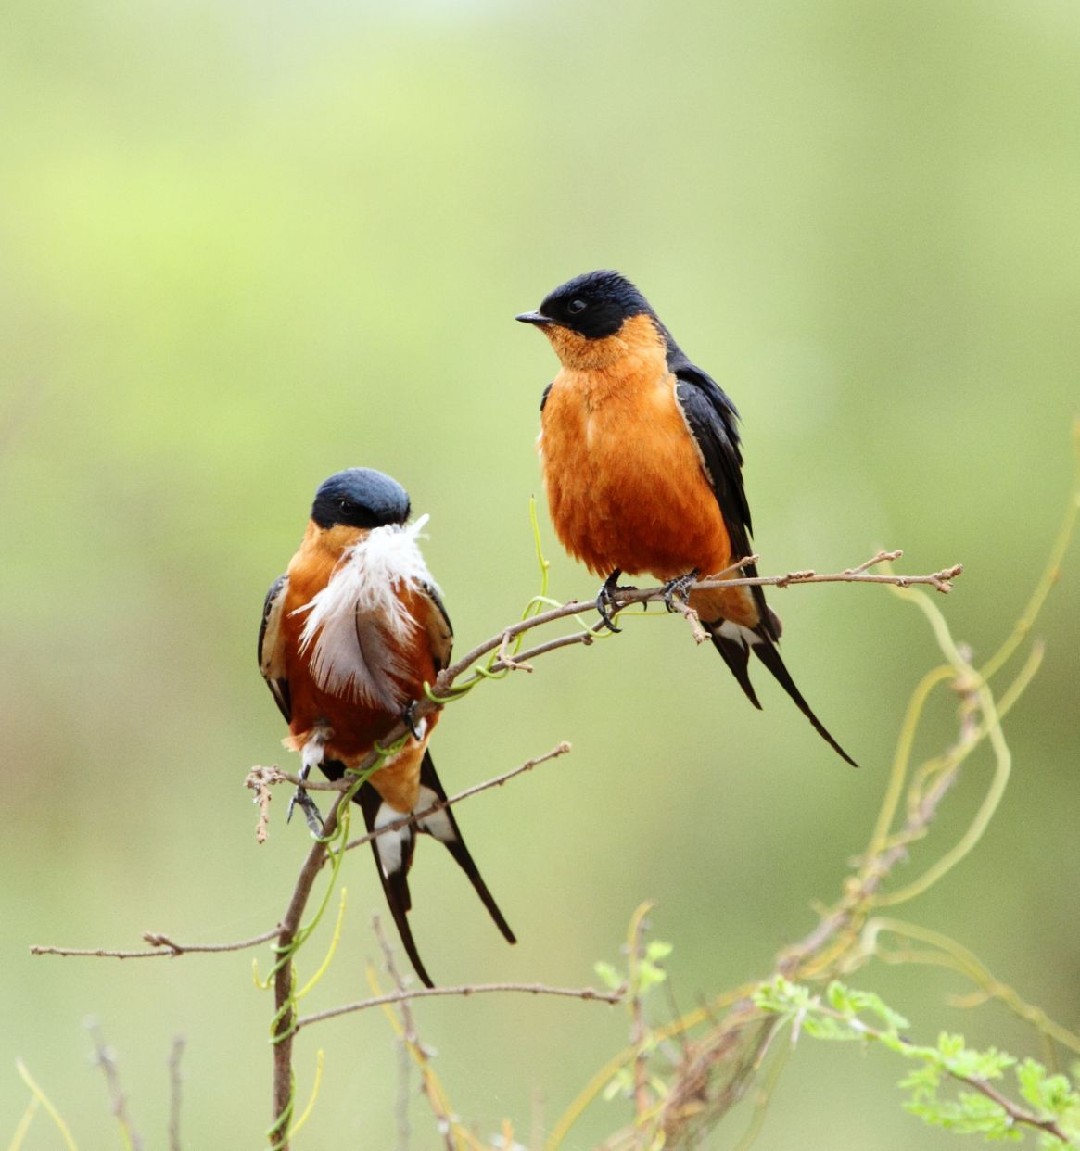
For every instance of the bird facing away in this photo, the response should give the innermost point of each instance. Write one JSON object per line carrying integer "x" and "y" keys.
{"x": 643, "y": 470}
{"x": 350, "y": 635}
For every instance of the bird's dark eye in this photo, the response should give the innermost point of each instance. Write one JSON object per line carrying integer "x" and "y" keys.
{"x": 577, "y": 305}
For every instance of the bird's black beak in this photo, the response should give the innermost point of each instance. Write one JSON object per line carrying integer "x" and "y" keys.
{"x": 537, "y": 318}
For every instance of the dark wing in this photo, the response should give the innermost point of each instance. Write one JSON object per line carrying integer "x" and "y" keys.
{"x": 543, "y": 398}
{"x": 713, "y": 422}
{"x": 272, "y": 646}
{"x": 440, "y": 632}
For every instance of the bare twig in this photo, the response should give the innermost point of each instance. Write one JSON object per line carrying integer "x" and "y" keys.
{"x": 283, "y": 1029}
{"x": 105, "y": 1058}
{"x": 176, "y": 1082}
{"x": 259, "y": 780}
{"x": 1015, "y": 1113}
{"x": 271, "y": 775}
{"x": 164, "y": 948}
{"x": 411, "y": 1041}
{"x": 464, "y": 991}
{"x": 623, "y": 597}
{"x": 562, "y": 748}
{"x": 697, "y": 630}
{"x": 638, "y": 1031}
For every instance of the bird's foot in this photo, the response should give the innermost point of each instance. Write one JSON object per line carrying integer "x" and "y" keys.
{"x": 605, "y": 600}
{"x": 301, "y": 799}
{"x": 417, "y": 727}
{"x": 312, "y": 816}
{"x": 679, "y": 588}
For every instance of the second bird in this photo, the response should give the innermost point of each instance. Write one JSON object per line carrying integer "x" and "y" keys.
{"x": 643, "y": 468}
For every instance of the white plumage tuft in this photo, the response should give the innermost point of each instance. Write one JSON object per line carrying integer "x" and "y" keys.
{"x": 438, "y": 822}
{"x": 357, "y": 624}
{"x": 391, "y": 845}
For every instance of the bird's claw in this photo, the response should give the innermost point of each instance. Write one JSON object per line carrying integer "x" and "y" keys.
{"x": 680, "y": 588}
{"x": 605, "y": 600}
{"x": 312, "y": 815}
{"x": 416, "y": 727}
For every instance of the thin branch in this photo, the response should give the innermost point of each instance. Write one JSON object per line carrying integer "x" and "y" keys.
{"x": 105, "y": 1058}
{"x": 638, "y": 1031}
{"x": 176, "y": 1082}
{"x": 164, "y": 948}
{"x": 271, "y": 775}
{"x": 940, "y": 580}
{"x": 411, "y": 1041}
{"x": 283, "y": 1029}
{"x": 697, "y": 629}
{"x": 465, "y": 991}
{"x": 1015, "y": 1113}
{"x": 562, "y": 748}
{"x": 259, "y": 780}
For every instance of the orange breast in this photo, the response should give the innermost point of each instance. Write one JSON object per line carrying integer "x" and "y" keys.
{"x": 624, "y": 480}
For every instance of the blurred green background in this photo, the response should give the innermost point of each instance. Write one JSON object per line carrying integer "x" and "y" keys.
{"x": 246, "y": 245}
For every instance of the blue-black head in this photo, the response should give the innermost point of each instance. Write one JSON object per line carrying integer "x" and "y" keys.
{"x": 594, "y": 304}
{"x": 360, "y": 498}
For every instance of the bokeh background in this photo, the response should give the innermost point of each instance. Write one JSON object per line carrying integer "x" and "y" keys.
{"x": 246, "y": 245}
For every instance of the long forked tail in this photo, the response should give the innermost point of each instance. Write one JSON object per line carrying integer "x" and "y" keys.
{"x": 735, "y": 642}
{"x": 394, "y": 853}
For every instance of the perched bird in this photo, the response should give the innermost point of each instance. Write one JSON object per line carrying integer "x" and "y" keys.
{"x": 350, "y": 635}
{"x": 643, "y": 470}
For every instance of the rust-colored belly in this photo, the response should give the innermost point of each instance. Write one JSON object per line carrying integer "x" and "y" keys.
{"x": 624, "y": 480}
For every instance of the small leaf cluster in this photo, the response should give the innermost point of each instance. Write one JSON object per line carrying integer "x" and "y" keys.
{"x": 1046, "y": 1104}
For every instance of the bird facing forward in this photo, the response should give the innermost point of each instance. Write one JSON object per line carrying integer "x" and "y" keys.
{"x": 350, "y": 635}
{"x": 643, "y": 468}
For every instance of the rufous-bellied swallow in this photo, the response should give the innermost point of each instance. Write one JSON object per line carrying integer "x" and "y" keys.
{"x": 642, "y": 467}
{"x": 350, "y": 636}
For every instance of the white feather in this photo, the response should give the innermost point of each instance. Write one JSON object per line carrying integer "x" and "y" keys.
{"x": 390, "y": 845}
{"x": 438, "y": 823}
{"x": 357, "y": 623}
{"x": 311, "y": 754}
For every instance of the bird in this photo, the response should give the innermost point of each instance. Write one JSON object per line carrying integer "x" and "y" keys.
{"x": 642, "y": 467}
{"x": 349, "y": 637}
